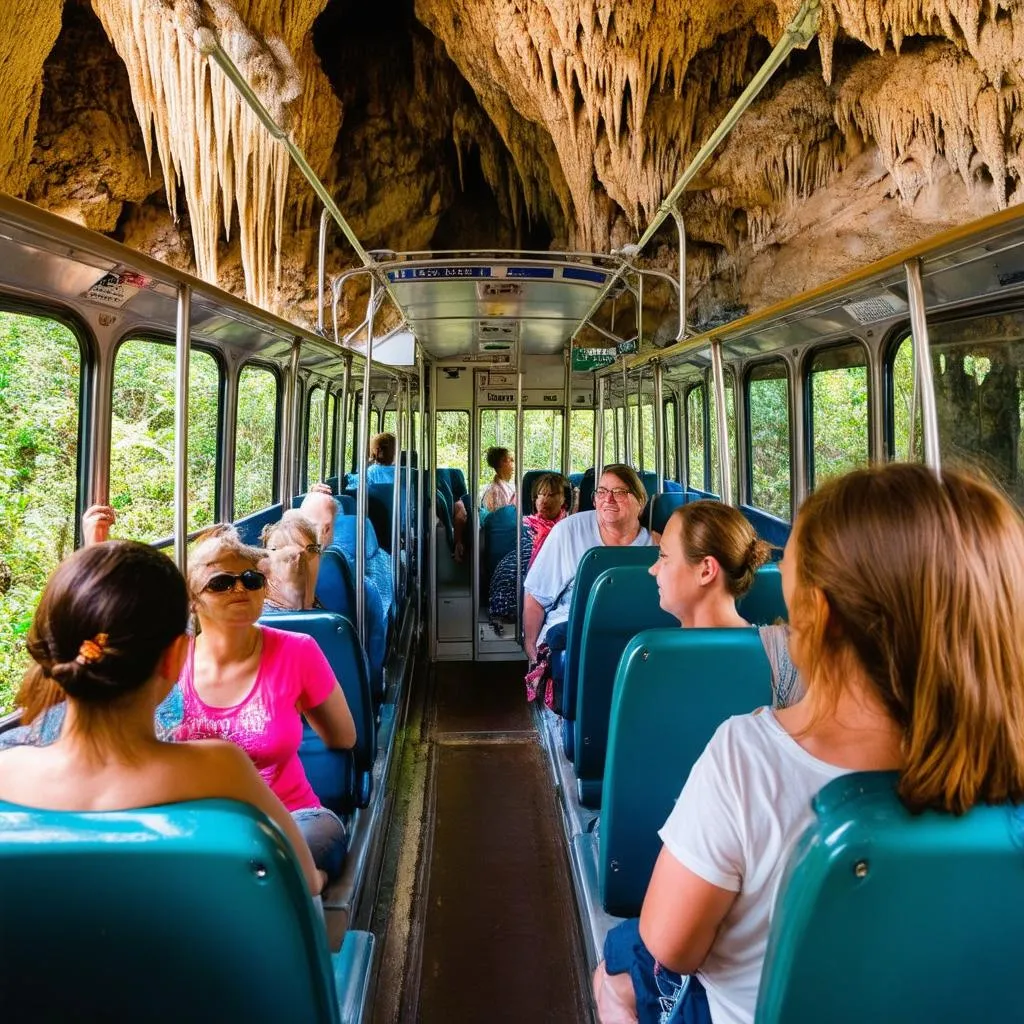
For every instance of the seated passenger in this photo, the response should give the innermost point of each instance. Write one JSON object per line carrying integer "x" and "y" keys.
{"x": 550, "y": 507}
{"x": 708, "y": 556}
{"x": 381, "y": 469}
{"x": 291, "y": 564}
{"x": 911, "y": 646}
{"x": 252, "y": 684}
{"x": 109, "y": 633}
{"x": 616, "y": 521}
{"x": 320, "y": 508}
{"x": 501, "y": 491}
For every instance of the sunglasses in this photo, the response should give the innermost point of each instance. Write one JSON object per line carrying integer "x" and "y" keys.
{"x": 251, "y": 579}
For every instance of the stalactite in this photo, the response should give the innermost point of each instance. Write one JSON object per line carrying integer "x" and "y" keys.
{"x": 207, "y": 139}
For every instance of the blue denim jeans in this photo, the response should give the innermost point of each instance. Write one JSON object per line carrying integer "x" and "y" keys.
{"x": 326, "y": 837}
{"x": 662, "y": 996}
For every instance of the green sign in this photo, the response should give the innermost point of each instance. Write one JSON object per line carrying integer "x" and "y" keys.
{"x": 584, "y": 359}
{"x": 626, "y": 348}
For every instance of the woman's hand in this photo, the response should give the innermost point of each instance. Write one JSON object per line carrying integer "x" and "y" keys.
{"x": 321, "y": 489}
{"x": 96, "y": 524}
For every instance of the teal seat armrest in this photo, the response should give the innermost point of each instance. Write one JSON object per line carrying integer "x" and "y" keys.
{"x": 353, "y": 969}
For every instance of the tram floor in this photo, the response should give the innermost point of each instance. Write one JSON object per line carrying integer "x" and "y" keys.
{"x": 493, "y": 934}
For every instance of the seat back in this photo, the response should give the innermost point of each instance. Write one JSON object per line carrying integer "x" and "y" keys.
{"x": 342, "y": 779}
{"x": 380, "y": 503}
{"x": 592, "y": 564}
{"x": 526, "y": 495}
{"x": 883, "y": 915}
{"x": 250, "y": 527}
{"x": 673, "y": 688}
{"x": 457, "y": 483}
{"x": 623, "y": 602}
{"x": 346, "y": 504}
{"x": 770, "y": 528}
{"x": 661, "y": 507}
{"x": 586, "y": 486}
{"x": 336, "y": 591}
{"x": 499, "y": 530}
{"x": 763, "y": 604}
{"x": 144, "y": 901}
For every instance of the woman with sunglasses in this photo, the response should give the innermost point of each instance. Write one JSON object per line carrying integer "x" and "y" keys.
{"x": 252, "y": 684}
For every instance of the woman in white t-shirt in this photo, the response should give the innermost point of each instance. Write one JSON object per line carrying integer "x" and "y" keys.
{"x": 501, "y": 491}
{"x": 879, "y": 564}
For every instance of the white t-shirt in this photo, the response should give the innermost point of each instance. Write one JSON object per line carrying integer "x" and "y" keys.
{"x": 743, "y": 808}
{"x": 551, "y": 577}
{"x": 497, "y": 494}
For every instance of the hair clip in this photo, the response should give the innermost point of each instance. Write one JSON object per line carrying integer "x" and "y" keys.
{"x": 92, "y": 650}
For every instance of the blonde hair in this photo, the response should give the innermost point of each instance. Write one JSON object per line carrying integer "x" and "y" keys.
{"x": 924, "y": 581}
{"x": 710, "y": 529}
{"x": 212, "y": 546}
{"x": 293, "y": 523}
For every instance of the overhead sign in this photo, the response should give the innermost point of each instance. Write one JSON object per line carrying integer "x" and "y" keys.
{"x": 532, "y": 397}
{"x": 585, "y": 359}
{"x": 626, "y": 348}
{"x": 116, "y": 288}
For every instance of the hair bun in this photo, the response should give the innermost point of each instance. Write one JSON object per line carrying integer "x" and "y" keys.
{"x": 81, "y": 680}
{"x": 758, "y": 553}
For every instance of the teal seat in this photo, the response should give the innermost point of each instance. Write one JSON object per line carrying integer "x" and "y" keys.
{"x": 763, "y": 604}
{"x": 342, "y": 779}
{"x": 673, "y": 688}
{"x": 196, "y": 911}
{"x": 592, "y": 564}
{"x": 887, "y": 916}
{"x": 624, "y": 601}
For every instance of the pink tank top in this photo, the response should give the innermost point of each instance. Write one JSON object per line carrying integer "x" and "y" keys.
{"x": 267, "y": 724}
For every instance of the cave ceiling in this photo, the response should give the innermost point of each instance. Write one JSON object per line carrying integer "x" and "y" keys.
{"x": 537, "y": 124}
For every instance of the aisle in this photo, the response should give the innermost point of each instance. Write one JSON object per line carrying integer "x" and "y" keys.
{"x": 497, "y": 937}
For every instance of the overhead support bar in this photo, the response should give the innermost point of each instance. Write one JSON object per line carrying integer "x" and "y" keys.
{"x": 923, "y": 380}
{"x": 721, "y": 423}
{"x": 798, "y": 34}
{"x": 362, "y": 502}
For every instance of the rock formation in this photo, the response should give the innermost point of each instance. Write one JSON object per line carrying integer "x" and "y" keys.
{"x": 496, "y": 122}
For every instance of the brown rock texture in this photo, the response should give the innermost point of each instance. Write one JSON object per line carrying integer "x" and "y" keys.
{"x": 523, "y": 123}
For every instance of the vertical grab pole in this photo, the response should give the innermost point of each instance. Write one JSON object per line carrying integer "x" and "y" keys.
{"x": 396, "y": 495}
{"x": 321, "y": 273}
{"x": 599, "y": 430}
{"x": 519, "y": 504}
{"x": 423, "y": 515}
{"x": 291, "y": 444}
{"x": 721, "y": 424}
{"x": 226, "y": 498}
{"x": 923, "y": 379}
{"x": 181, "y": 368}
{"x": 343, "y": 425}
{"x": 407, "y": 448}
{"x": 641, "y": 461}
{"x": 362, "y": 505}
{"x": 324, "y": 435}
{"x": 627, "y": 447}
{"x": 567, "y": 414}
{"x": 659, "y": 426}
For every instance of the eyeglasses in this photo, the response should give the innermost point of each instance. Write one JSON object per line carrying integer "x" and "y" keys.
{"x": 618, "y": 493}
{"x": 251, "y": 579}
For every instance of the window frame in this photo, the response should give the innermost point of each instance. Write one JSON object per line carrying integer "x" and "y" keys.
{"x": 748, "y": 379}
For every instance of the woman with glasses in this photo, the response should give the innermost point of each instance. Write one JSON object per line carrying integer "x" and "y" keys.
{"x": 252, "y": 684}
{"x": 291, "y": 563}
{"x": 619, "y": 499}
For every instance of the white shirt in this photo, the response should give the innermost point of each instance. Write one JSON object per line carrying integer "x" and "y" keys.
{"x": 551, "y": 577}
{"x": 743, "y": 808}
{"x": 497, "y": 494}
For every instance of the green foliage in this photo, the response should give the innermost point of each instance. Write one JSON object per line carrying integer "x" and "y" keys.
{"x": 142, "y": 440}
{"x": 40, "y": 365}
{"x": 769, "y": 441}
{"x": 840, "y": 413}
{"x": 255, "y": 440}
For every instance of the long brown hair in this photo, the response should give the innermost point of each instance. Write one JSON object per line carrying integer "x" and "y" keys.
{"x": 713, "y": 530}
{"x": 924, "y": 584}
